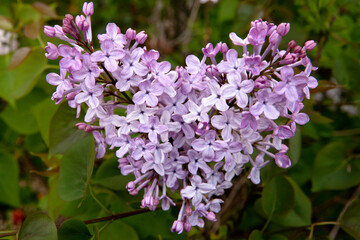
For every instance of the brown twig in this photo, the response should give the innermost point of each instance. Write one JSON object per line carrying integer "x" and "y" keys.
{"x": 336, "y": 228}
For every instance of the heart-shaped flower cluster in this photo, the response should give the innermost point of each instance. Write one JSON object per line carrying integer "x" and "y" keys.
{"x": 190, "y": 130}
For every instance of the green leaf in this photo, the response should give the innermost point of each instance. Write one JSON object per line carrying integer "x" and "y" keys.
{"x": 18, "y": 82}
{"x": 295, "y": 147}
{"x": 54, "y": 202}
{"x": 299, "y": 216}
{"x": 74, "y": 229}
{"x": 63, "y": 132}
{"x": 351, "y": 219}
{"x": 38, "y": 226}
{"x": 119, "y": 228}
{"x": 43, "y": 112}
{"x": 301, "y": 213}
{"x": 256, "y": 235}
{"x": 9, "y": 175}
{"x": 76, "y": 169}
{"x": 20, "y": 118}
{"x": 278, "y": 197}
{"x": 108, "y": 175}
{"x": 333, "y": 170}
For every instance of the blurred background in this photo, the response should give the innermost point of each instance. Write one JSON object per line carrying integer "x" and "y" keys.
{"x": 325, "y": 174}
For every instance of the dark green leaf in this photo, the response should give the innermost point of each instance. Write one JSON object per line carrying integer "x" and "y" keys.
{"x": 63, "y": 132}
{"x": 351, "y": 219}
{"x": 299, "y": 216}
{"x": 295, "y": 147}
{"x": 20, "y": 118}
{"x": 333, "y": 170}
{"x": 76, "y": 169}
{"x": 108, "y": 175}
{"x": 9, "y": 175}
{"x": 278, "y": 197}
{"x": 38, "y": 226}
{"x": 74, "y": 229}
{"x": 301, "y": 213}
{"x": 43, "y": 112}
{"x": 119, "y": 228}
{"x": 256, "y": 235}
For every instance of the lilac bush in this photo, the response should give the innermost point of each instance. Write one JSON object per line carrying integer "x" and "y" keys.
{"x": 190, "y": 130}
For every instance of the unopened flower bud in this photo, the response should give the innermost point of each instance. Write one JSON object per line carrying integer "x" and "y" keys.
{"x": 51, "y": 51}
{"x": 310, "y": 45}
{"x": 188, "y": 211}
{"x": 141, "y": 37}
{"x": 302, "y": 53}
{"x": 282, "y": 160}
{"x": 223, "y": 48}
{"x": 297, "y": 49}
{"x": 122, "y": 162}
{"x": 81, "y": 126}
{"x": 210, "y": 51}
{"x": 81, "y": 22}
{"x": 187, "y": 226}
{"x": 289, "y": 58}
{"x": 271, "y": 29}
{"x": 130, "y": 34}
{"x": 292, "y": 44}
{"x": 88, "y": 8}
{"x": 275, "y": 38}
{"x": 130, "y": 186}
{"x": 49, "y": 31}
{"x": 71, "y": 96}
{"x": 178, "y": 226}
{"x": 283, "y": 29}
{"x": 211, "y": 216}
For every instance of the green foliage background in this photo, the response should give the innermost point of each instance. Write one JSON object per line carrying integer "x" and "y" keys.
{"x": 45, "y": 173}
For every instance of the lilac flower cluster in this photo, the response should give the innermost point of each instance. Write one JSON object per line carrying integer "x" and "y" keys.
{"x": 192, "y": 129}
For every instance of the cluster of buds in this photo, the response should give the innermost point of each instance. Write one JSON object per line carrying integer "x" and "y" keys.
{"x": 192, "y": 129}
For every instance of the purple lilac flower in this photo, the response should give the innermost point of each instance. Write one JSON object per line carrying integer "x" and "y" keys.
{"x": 192, "y": 129}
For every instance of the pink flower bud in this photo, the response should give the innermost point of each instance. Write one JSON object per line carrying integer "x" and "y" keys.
{"x": 81, "y": 126}
{"x": 211, "y": 216}
{"x": 51, "y": 51}
{"x": 282, "y": 160}
{"x": 49, "y": 31}
{"x": 297, "y": 49}
{"x": 122, "y": 162}
{"x": 130, "y": 34}
{"x": 81, "y": 22}
{"x": 187, "y": 227}
{"x": 212, "y": 70}
{"x": 271, "y": 29}
{"x": 283, "y": 29}
{"x": 310, "y": 45}
{"x": 292, "y": 44}
{"x": 71, "y": 96}
{"x": 177, "y": 227}
{"x": 130, "y": 186}
{"x": 223, "y": 47}
{"x": 188, "y": 211}
{"x": 275, "y": 38}
{"x": 302, "y": 53}
{"x": 88, "y": 8}
{"x": 289, "y": 58}
{"x": 141, "y": 37}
